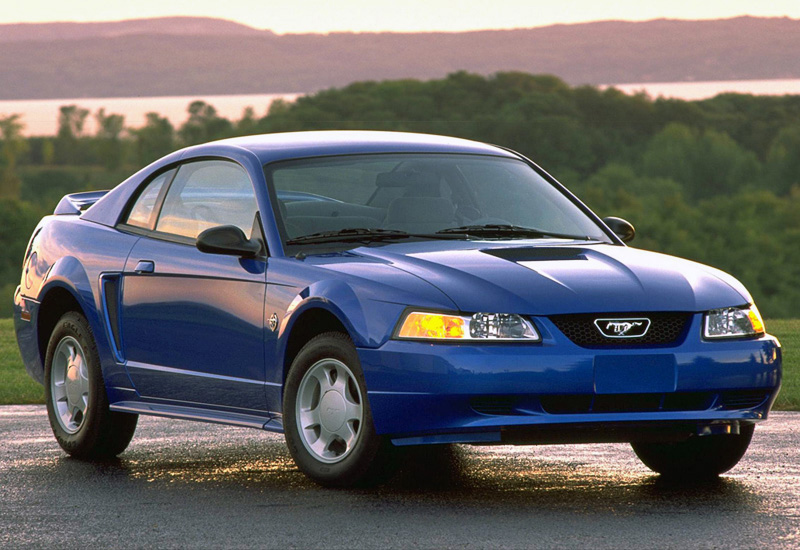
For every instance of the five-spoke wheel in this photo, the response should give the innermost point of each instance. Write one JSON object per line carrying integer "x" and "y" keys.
{"x": 77, "y": 404}
{"x": 329, "y": 411}
{"x": 69, "y": 384}
{"x": 327, "y": 419}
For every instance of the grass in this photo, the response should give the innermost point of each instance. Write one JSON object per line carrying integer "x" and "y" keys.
{"x": 16, "y": 387}
{"x": 788, "y": 332}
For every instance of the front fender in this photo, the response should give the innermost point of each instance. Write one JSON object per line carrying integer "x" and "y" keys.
{"x": 368, "y": 322}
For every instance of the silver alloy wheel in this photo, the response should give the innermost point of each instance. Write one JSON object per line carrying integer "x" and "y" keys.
{"x": 69, "y": 384}
{"x": 329, "y": 410}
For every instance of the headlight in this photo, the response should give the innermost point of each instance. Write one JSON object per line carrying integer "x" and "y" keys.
{"x": 733, "y": 322}
{"x": 481, "y": 326}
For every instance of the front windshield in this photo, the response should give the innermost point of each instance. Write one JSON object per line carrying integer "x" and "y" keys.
{"x": 387, "y": 196}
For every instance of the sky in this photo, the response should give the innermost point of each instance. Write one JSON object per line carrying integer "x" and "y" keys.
{"x": 321, "y": 16}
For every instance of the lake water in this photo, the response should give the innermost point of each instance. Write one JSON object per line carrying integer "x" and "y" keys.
{"x": 41, "y": 115}
{"x": 703, "y": 90}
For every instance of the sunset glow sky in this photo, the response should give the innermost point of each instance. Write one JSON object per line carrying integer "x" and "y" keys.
{"x": 298, "y": 16}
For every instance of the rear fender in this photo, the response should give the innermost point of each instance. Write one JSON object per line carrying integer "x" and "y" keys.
{"x": 69, "y": 275}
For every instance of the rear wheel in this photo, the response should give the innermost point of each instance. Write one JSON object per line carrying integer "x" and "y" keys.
{"x": 327, "y": 419}
{"x": 696, "y": 457}
{"x": 77, "y": 404}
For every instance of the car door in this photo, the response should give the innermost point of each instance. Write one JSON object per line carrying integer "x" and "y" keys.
{"x": 192, "y": 322}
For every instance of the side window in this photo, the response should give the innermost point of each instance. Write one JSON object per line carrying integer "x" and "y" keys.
{"x": 207, "y": 194}
{"x": 142, "y": 214}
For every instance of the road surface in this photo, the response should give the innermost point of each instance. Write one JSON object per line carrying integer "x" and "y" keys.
{"x": 192, "y": 485}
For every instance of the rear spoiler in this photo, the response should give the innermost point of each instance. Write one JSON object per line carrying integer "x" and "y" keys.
{"x": 77, "y": 202}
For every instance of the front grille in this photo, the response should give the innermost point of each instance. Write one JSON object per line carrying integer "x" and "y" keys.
{"x": 666, "y": 328}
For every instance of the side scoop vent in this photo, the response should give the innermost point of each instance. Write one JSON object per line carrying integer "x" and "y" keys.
{"x": 110, "y": 289}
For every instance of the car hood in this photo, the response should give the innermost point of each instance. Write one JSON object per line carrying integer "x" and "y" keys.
{"x": 555, "y": 279}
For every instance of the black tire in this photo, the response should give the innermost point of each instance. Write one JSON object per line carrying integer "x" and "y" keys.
{"x": 96, "y": 432}
{"x": 364, "y": 462}
{"x": 697, "y": 457}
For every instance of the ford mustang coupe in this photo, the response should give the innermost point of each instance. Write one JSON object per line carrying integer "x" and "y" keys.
{"x": 365, "y": 291}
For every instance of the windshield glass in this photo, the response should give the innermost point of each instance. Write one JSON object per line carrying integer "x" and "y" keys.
{"x": 421, "y": 195}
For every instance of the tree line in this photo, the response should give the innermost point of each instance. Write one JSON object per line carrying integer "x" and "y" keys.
{"x": 717, "y": 181}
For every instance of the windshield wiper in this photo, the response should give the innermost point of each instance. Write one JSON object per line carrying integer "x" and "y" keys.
{"x": 508, "y": 230}
{"x": 350, "y": 234}
{"x": 364, "y": 234}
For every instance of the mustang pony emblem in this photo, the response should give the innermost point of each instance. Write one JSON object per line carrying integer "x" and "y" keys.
{"x": 622, "y": 328}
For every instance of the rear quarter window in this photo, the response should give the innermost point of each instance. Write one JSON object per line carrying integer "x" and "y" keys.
{"x": 143, "y": 212}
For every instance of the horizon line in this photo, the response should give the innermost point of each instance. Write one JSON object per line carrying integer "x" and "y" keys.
{"x": 393, "y": 31}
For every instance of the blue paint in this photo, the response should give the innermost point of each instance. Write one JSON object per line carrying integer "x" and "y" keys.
{"x": 654, "y": 373}
{"x": 196, "y": 342}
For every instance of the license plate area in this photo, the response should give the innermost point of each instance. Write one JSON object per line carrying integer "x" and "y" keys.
{"x": 655, "y": 373}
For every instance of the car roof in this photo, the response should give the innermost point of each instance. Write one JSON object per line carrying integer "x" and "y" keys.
{"x": 282, "y": 146}
{"x": 258, "y": 150}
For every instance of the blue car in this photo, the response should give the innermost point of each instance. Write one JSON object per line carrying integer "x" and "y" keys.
{"x": 365, "y": 291}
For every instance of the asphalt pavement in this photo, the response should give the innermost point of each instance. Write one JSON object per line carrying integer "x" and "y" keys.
{"x": 192, "y": 485}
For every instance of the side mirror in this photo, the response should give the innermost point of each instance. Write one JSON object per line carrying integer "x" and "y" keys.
{"x": 229, "y": 240}
{"x": 621, "y": 228}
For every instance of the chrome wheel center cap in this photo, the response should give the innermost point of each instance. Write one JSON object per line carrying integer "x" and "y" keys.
{"x": 332, "y": 411}
{"x": 73, "y": 383}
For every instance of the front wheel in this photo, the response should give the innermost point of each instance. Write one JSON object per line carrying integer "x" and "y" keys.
{"x": 696, "y": 457}
{"x": 327, "y": 419}
{"x": 77, "y": 404}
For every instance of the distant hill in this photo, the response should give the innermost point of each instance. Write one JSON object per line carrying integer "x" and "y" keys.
{"x": 198, "y": 26}
{"x": 186, "y": 56}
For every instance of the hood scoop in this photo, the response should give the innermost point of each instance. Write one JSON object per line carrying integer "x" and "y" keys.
{"x": 540, "y": 254}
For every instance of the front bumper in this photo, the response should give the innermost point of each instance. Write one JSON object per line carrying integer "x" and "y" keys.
{"x": 555, "y": 390}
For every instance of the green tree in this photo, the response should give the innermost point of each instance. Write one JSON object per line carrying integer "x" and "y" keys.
{"x": 664, "y": 221}
{"x": 48, "y": 152}
{"x": 248, "y": 124}
{"x": 12, "y": 145}
{"x": 71, "y": 123}
{"x": 155, "y": 139}
{"x": 754, "y": 235}
{"x": 783, "y": 160}
{"x": 109, "y": 138}
{"x": 44, "y": 188}
{"x": 17, "y": 221}
{"x": 204, "y": 124}
{"x": 706, "y": 163}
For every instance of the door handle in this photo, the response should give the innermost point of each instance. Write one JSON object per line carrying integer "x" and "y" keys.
{"x": 145, "y": 266}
